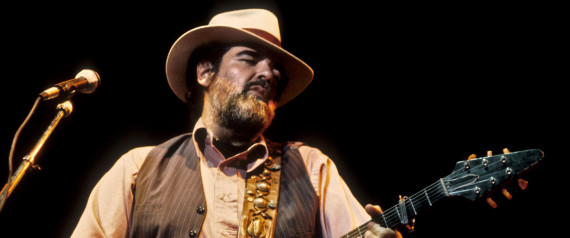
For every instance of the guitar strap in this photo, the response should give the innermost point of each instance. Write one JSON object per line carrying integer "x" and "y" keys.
{"x": 261, "y": 197}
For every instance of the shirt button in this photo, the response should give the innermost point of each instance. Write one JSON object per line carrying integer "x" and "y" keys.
{"x": 228, "y": 198}
{"x": 193, "y": 233}
{"x": 201, "y": 209}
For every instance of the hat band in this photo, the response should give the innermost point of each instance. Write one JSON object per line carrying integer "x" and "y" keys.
{"x": 265, "y": 35}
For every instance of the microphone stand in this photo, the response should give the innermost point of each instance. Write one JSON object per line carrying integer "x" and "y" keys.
{"x": 64, "y": 109}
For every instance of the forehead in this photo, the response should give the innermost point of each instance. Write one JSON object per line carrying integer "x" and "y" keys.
{"x": 252, "y": 50}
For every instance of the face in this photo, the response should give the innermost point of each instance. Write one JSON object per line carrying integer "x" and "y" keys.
{"x": 240, "y": 95}
{"x": 252, "y": 71}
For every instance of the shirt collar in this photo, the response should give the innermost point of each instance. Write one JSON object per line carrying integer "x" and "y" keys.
{"x": 254, "y": 156}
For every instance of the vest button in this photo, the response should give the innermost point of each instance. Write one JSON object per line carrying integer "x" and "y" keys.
{"x": 193, "y": 233}
{"x": 201, "y": 209}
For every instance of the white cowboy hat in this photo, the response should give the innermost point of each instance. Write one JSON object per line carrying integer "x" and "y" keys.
{"x": 250, "y": 25}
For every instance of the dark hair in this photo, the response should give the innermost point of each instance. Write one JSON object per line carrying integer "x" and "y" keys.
{"x": 211, "y": 52}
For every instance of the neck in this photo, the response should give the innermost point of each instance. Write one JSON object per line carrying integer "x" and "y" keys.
{"x": 231, "y": 137}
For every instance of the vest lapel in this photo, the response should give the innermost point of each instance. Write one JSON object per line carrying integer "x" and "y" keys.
{"x": 169, "y": 197}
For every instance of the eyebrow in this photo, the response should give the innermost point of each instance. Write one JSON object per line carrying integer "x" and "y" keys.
{"x": 256, "y": 55}
{"x": 248, "y": 52}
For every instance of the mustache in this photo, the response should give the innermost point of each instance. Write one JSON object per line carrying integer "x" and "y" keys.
{"x": 257, "y": 82}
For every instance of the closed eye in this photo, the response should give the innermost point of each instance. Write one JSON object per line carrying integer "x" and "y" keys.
{"x": 249, "y": 61}
{"x": 249, "y": 56}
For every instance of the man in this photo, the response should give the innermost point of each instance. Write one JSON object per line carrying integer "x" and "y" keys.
{"x": 225, "y": 179}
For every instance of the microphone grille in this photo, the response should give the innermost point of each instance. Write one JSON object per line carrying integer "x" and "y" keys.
{"x": 93, "y": 80}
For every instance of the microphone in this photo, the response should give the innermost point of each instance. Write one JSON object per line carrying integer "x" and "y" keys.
{"x": 86, "y": 81}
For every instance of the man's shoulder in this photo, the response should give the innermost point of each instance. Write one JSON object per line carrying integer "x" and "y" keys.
{"x": 140, "y": 151}
{"x": 137, "y": 155}
{"x": 176, "y": 140}
{"x": 309, "y": 154}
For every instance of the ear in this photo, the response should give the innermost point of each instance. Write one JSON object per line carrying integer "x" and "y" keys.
{"x": 204, "y": 73}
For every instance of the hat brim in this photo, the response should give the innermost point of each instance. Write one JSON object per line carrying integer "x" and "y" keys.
{"x": 298, "y": 72}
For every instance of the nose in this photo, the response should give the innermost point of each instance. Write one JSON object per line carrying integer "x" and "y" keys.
{"x": 267, "y": 71}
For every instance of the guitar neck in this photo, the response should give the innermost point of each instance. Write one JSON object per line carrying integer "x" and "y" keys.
{"x": 403, "y": 212}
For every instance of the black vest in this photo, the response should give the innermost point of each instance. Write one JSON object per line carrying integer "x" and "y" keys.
{"x": 169, "y": 198}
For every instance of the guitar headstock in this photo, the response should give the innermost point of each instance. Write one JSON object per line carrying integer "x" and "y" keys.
{"x": 477, "y": 178}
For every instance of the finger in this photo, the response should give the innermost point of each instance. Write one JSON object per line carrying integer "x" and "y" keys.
{"x": 373, "y": 210}
{"x": 369, "y": 234}
{"x": 381, "y": 232}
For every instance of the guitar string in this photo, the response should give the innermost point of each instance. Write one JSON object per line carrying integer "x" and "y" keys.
{"x": 391, "y": 218}
{"x": 431, "y": 189}
{"x": 472, "y": 184}
{"x": 474, "y": 168}
{"x": 394, "y": 217}
{"x": 463, "y": 173}
{"x": 390, "y": 215}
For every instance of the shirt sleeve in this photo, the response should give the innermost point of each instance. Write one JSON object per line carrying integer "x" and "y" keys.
{"x": 108, "y": 208}
{"x": 340, "y": 211}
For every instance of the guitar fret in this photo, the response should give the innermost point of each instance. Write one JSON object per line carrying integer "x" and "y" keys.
{"x": 385, "y": 222}
{"x": 444, "y": 188}
{"x": 413, "y": 208}
{"x": 398, "y": 213}
{"x": 425, "y": 192}
{"x": 394, "y": 216}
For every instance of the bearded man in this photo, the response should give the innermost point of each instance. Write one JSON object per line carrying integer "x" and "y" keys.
{"x": 225, "y": 179}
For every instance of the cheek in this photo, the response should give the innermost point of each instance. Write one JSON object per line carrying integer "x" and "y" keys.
{"x": 238, "y": 76}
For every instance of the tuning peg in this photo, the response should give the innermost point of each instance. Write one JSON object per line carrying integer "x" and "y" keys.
{"x": 489, "y": 153}
{"x": 472, "y": 156}
{"x": 522, "y": 183}
{"x": 506, "y": 151}
{"x": 491, "y": 203}
{"x": 507, "y": 194}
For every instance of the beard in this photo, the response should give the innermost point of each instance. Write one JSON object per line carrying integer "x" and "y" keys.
{"x": 234, "y": 116}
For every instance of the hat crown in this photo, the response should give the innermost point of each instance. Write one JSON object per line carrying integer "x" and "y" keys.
{"x": 252, "y": 20}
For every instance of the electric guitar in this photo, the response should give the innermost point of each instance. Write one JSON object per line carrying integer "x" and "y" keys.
{"x": 474, "y": 179}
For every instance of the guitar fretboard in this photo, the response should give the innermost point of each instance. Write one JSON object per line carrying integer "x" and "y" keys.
{"x": 395, "y": 215}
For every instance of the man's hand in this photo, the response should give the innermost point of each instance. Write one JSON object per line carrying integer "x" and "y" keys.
{"x": 375, "y": 230}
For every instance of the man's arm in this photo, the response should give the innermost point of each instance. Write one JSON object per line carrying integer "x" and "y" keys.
{"x": 340, "y": 211}
{"x": 107, "y": 213}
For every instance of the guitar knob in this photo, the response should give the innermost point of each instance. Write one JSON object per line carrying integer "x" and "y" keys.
{"x": 471, "y": 156}
{"x": 506, "y": 151}
{"x": 522, "y": 183}
{"x": 489, "y": 153}
{"x": 507, "y": 194}
{"x": 491, "y": 203}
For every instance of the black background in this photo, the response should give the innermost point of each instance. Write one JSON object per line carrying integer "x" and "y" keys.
{"x": 401, "y": 92}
